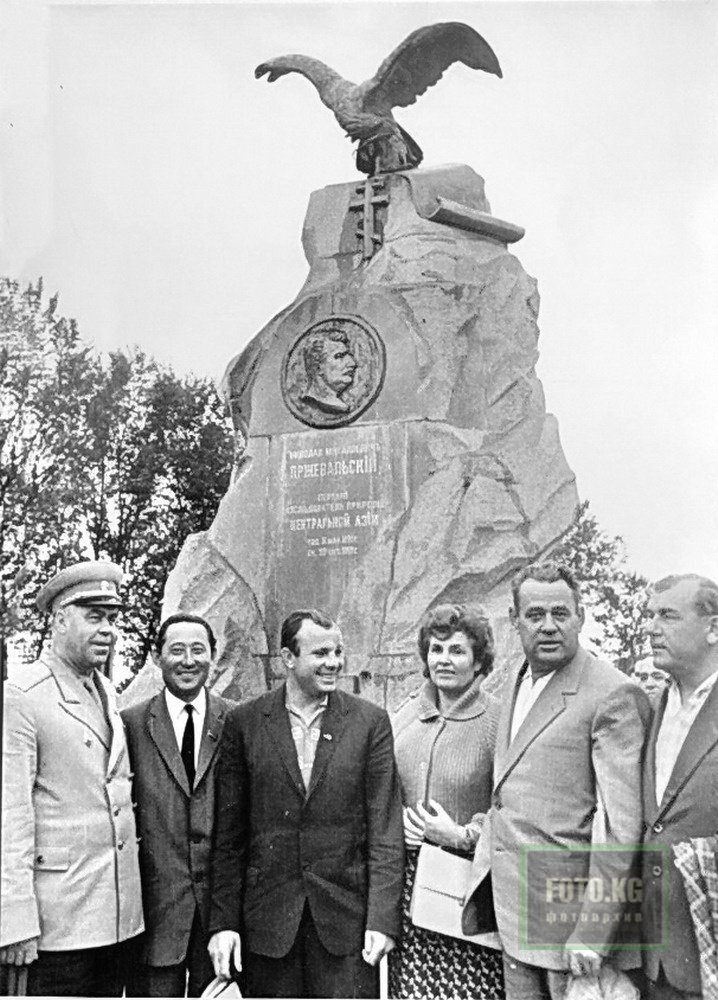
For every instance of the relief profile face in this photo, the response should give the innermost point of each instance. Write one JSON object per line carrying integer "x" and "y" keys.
{"x": 333, "y": 371}
{"x": 330, "y": 365}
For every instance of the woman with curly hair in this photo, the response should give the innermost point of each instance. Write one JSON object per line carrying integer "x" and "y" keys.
{"x": 444, "y": 739}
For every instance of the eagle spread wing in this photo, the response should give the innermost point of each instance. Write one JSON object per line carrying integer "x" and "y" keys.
{"x": 364, "y": 111}
{"x": 332, "y": 88}
{"x": 341, "y": 96}
{"x": 419, "y": 62}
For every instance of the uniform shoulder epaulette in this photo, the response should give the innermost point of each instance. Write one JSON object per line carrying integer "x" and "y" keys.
{"x": 29, "y": 676}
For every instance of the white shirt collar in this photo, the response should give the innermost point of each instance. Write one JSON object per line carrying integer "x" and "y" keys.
{"x": 295, "y": 710}
{"x": 176, "y": 707}
{"x": 699, "y": 695}
{"x": 528, "y": 675}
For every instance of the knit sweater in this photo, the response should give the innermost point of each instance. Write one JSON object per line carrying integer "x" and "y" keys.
{"x": 448, "y": 757}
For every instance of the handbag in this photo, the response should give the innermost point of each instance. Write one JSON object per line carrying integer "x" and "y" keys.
{"x": 437, "y": 899}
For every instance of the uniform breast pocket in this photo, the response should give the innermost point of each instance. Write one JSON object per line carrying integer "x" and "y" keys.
{"x": 52, "y": 859}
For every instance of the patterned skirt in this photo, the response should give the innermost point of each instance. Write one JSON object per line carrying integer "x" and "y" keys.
{"x": 426, "y": 964}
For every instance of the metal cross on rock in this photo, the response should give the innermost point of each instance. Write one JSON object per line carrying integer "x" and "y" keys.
{"x": 370, "y": 198}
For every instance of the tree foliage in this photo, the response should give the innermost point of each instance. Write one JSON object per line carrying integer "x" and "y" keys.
{"x": 41, "y": 358}
{"x": 118, "y": 460}
{"x": 160, "y": 455}
{"x": 615, "y": 595}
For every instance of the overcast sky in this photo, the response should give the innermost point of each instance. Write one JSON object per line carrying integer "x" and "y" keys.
{"x": 161, "y": 190}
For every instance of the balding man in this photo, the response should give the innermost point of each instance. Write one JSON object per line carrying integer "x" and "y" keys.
{"x": 71, "y": 903}
{"x": 680, "y": 778}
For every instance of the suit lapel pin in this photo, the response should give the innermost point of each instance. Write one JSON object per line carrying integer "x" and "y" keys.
{"x": 327, "y": 736}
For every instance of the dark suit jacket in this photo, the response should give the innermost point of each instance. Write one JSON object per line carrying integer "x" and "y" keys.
{"x": 689, "y": 808}
{"x": 175, "y": 827}
{"x": 585, "y": 731}
{"x": 338, "y": 844}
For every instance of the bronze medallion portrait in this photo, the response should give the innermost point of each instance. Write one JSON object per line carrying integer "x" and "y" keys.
{"x": 333, "y": 372}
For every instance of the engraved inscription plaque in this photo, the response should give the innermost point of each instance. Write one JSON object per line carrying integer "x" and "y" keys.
{"x": 335, "y": 494}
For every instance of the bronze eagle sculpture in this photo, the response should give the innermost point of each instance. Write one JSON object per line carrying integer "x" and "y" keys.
{"x": 364, "y": 110}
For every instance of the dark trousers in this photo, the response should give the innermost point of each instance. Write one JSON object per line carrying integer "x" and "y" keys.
{"x": 529, "y": 982}
{"x": 85, "y": 972}
{"x": 662, "y": 990}
{"x": 309, "y": 970}
{"x": 189, "y": 977}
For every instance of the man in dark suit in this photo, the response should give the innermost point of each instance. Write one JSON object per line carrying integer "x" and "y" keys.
{"x": 568, "y": 751}
{"x": 173, "y": 740}
{"x": 308, "y": 862}
{"x": 681, "y": 774}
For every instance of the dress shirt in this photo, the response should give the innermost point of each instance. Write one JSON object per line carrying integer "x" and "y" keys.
{"x": 675, "y": 726}
{"x": 526, "y": 696}
{"x": 305, "y": 733}
{"x": 178, "y": 717}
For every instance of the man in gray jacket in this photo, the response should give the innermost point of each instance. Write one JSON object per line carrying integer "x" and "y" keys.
{"x": 71, "y": 902}
{"x": 173, "y": 739}
{"x": 565, "y": 814}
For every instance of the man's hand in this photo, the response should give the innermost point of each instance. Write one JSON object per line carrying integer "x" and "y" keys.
{"x": 439, "y": 827}
{"x": 583, "y": 961}
{"x": 376, "y": 945}
{"x": 413, "y": 828}
{"x": 225, "y": 950}
{"x": 20, "y": 953}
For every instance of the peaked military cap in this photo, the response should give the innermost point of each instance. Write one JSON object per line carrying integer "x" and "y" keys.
{"x": 87, "y": 583}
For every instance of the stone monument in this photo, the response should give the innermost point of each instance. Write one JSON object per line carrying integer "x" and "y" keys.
{"x": 393, "y": 445}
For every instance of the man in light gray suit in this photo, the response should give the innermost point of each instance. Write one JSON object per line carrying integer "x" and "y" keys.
{"x": 568, "y": 752}
{"x": 173, "y": 739}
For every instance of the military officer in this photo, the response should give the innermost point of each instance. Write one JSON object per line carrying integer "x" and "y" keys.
{"x": 71, "y": 903}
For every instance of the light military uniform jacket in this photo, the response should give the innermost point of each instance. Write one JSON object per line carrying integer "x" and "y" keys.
{"x": 70, "y": 871}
